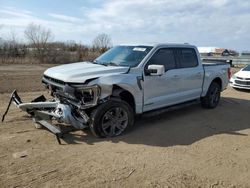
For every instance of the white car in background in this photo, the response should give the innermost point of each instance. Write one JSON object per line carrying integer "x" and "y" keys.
{"x": 241, "y": 79}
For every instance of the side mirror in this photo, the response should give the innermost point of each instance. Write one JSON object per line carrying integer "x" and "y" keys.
{"x": 155, "y": 70}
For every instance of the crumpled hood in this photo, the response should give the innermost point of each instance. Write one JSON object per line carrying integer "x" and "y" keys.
{"x": 82, "y": 71}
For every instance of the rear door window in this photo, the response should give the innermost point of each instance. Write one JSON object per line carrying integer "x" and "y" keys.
{"x": 187, "y": 58}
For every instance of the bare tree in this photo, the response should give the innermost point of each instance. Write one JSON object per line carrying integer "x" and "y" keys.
{"x": 39, "y": 38}
{"x": 102, "y": 42}
{"x": 1, "y": 39}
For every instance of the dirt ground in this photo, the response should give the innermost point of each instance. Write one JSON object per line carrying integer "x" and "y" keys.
{"x": 191, "y": 147}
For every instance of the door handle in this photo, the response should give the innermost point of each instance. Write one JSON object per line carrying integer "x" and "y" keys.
{"x": 176, "y": 76}
{"x": 198, "y": 74}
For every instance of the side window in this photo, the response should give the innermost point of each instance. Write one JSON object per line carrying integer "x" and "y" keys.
{"x": 163, "y": 57}
{"x": 187, "y": 58}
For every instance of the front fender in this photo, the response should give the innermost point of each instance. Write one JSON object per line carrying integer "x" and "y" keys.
{"x": 128, "y": 82}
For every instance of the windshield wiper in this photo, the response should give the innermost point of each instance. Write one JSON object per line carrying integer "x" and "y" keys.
{"x": 97, "y": 63}
{"x": 94, "y": 62}
{"x": 104, "y": 63}
{"x": 109, "y": 64}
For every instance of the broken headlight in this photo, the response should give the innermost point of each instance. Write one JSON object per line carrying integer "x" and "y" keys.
{"x": 88, "y": 95}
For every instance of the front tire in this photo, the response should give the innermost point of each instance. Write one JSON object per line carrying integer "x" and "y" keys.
{"x": 111, "y": 118}
{"x": 212, "y": 97}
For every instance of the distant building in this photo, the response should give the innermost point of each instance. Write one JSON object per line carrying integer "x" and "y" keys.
{"x": 215, "y": 51}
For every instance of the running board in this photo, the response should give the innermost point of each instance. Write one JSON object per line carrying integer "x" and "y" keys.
{"x": 170, "y": 108}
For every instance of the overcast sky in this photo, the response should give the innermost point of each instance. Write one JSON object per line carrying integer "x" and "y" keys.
{"x": 220, "y": 23}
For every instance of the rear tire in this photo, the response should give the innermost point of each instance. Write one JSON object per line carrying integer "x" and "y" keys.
{"x": 111, "y": 118}
{"x": 212, "y": 97}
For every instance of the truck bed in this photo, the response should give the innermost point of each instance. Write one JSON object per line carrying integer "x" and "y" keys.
{"x": 206, "y": 63}
{"x": 214, "y": 70}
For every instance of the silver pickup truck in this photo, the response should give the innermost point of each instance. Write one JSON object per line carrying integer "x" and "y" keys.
{"x": 106, "y": 94}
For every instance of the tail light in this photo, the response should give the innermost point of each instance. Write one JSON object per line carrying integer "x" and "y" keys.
{"x": 229, "y": 73}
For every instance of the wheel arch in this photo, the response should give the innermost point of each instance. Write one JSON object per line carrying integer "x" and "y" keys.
{"x": 218, "y": 81}
{"x": 212, "y": 97}
{"x": 124, "y": 95}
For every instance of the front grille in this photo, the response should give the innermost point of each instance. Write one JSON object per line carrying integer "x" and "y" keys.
{"x": 242, "y": 82}
{"x": 54, "y": 80}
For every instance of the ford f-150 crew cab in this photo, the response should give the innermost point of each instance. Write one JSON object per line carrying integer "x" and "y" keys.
{"x": 107, "y": 93}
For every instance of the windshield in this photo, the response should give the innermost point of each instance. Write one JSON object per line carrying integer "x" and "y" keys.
{"x": 247, "y": 68}
{"x": 128, "y": 56}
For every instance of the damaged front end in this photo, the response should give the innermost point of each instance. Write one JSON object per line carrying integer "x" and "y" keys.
{"x": 68, "y": 106}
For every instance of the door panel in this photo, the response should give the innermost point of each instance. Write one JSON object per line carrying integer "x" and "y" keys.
{"x": 181, "y": 82}
{"x": 191, "y": 72}
{"x": 160, "y": 91}
{"x": 191, "y": 85}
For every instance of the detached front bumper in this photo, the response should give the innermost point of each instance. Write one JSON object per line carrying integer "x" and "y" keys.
{"x": 43, "y": 112}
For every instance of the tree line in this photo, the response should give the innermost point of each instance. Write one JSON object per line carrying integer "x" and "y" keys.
{"x": 41, "y": 48}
